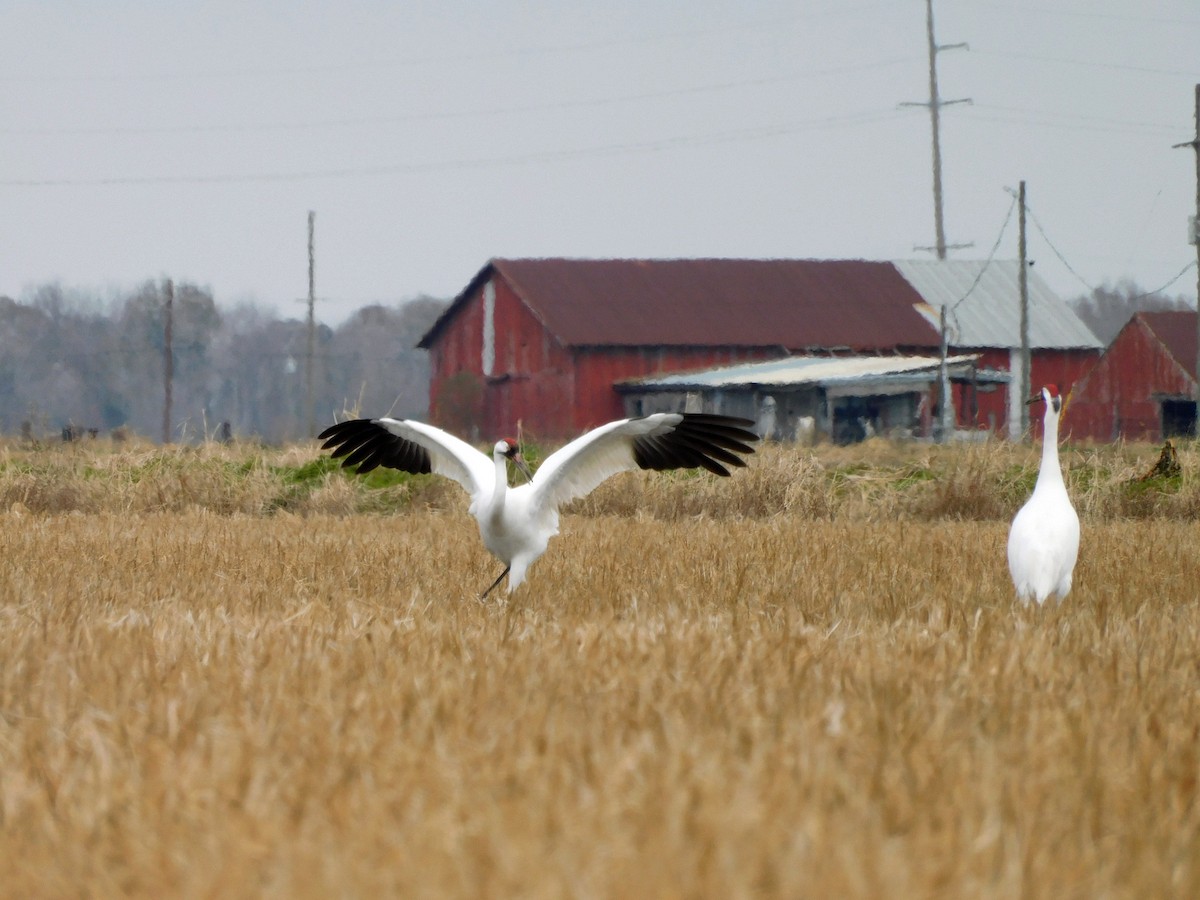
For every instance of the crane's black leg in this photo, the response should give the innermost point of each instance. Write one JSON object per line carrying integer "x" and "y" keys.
{"x": 483, "y": 596}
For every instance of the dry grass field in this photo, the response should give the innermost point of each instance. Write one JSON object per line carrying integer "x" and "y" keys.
{"x": 233, "y": 672}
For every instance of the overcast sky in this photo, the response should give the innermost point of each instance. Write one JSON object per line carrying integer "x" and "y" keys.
{"x": 190, "y": 139}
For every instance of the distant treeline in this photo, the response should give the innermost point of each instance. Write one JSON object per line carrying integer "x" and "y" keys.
{"x": 69, "y": 360}
{"x": 86, "y": 363}
{"x": 1106, "y": 309}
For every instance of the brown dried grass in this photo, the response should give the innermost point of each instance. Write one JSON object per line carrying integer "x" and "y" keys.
{"x": 208, "y": 695}
{"x": 875, "y": 481}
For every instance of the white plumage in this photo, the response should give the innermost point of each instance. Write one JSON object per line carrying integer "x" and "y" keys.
{"x": 517, "y": 523}
{"x": 1043, "y": 542}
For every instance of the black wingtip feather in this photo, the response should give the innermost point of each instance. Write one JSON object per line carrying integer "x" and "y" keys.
{"x": 367, "y": 444}
{"x": 700, "y": 440}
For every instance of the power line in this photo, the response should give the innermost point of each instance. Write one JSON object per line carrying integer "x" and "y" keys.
{"x": 1009, "y": 8}
{"x": 661, "y": 144}
{"x": 991, "y": 255}
{"x": 1075, "y": 121}
{"x": 199, "y": 73}
{"x": 1143, "y": 228}
{"x": 1092, "y": 289}
{"x": 982, "y": 269}
{"x": 1064, "y": 126}
{"x": 453, "y": 115}
{"x": 1178, "y": 275}
{"x": 1087, "y": 63}
{"x": 1062, "y": 259}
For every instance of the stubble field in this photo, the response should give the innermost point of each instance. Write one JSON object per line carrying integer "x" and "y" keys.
{"x": 233, "y": 672}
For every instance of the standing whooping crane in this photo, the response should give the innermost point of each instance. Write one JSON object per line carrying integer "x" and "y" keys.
{"x": 1043, "y": 542}
{"x": 517, "y": 523}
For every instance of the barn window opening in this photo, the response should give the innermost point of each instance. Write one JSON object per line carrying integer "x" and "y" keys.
{"x": 1178, "y": 418}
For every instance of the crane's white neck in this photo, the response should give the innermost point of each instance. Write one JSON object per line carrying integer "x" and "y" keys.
{"x": 500, "y": 487}
{"x": 1049, "y": 473}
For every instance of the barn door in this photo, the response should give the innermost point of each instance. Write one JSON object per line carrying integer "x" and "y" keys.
{"x": 1178, "y": 418}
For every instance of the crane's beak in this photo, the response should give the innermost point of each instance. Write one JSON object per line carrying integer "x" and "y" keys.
{"x": 519, "y": 460}
{"x": 1059, "y": 407}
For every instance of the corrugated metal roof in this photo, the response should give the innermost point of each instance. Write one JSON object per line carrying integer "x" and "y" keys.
{"x": 822, "y": 371}
{"x": 795, "y": 304}
{"x": 1177, "y": 330}
{"x": 990, "y": 314}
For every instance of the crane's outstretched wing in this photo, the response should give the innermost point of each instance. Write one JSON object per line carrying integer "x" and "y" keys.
{"x": 661, "y": 441}
{"x": 410, "y": 447}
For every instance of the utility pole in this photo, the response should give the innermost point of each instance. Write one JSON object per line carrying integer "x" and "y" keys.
{"x": 946, "y": 417}
{"x": 1195, "y": 239}
{"x": 168, "y": 360}
{"x": 1025, "y": 389}
{"x": 934, "y": 104}
{"x": 312, "y": 332}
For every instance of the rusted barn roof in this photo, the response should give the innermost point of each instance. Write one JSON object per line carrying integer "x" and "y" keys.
{"x": 1177, "y": 330}
{"x": 796, "y": 304}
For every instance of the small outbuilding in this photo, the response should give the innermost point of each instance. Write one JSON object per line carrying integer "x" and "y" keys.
{"x": 1143, "y": 387}
{"x": 800, "y": 398}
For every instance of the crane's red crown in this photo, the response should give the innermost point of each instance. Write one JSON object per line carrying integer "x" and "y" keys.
{"x": 1055, "y": 398}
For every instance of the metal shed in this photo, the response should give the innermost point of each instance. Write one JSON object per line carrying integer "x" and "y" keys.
{"x": 843, "y": 399}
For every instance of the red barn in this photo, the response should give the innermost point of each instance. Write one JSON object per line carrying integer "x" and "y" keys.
{"x": 1143, "y": 387}
{"x": 544, "y": 340}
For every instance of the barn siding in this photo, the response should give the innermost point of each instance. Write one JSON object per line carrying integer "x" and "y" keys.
{"x": 1063, "y": 368}
{"x": 1120, "y": 397}
{"x": 456, "y": 386}
{"x": 531, "y": 385}
{"x": 527, "y": 369}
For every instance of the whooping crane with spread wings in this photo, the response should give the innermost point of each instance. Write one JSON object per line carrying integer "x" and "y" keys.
{"x": 517, "y": 523}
